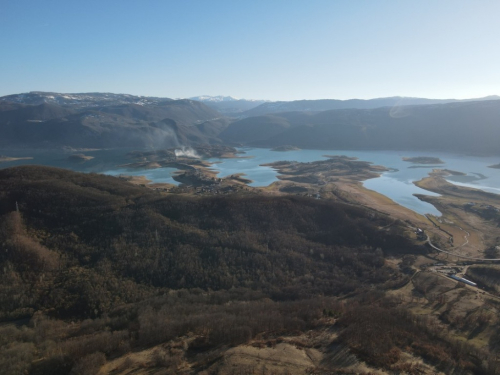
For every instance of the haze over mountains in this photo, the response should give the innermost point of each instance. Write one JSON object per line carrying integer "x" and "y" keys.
{"x": 247, "y": 108}
{"x": 104, "y": 120}
{"x": 97, "y": 120}
{"x": 329, "y": 104}
{"x": 228, "y": 105}
{"x": 471, "y": 127}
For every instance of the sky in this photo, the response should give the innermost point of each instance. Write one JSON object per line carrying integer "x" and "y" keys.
{"x": 272, "y": 49}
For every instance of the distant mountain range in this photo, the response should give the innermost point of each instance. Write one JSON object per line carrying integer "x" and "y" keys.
{"x": 96, "y": 120}
{"x": 242, "y": 108}
{"x": 470, "y": 127}
{"x": 219, "y": 98}
{"x": 82, "y": 100}
{"x": 228, "y": 105}
{"x": 329, "y": 104}
{"x": 103, "y": 120}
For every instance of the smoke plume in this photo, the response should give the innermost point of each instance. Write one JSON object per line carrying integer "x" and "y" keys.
{"x": 186, "y": 152}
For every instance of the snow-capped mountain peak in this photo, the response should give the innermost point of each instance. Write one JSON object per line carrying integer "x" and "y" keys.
{"x": 208, "y": 98}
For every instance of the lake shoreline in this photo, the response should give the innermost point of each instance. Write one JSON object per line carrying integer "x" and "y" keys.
{"x": 255, "y": 163}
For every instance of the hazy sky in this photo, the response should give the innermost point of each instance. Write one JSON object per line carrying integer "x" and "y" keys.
{"x": 277, "y": 50}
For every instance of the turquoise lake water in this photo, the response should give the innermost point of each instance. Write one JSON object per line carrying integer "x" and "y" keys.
{"x": 397, "y": 183}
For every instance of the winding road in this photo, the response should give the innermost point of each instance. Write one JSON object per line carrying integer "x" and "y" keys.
{"x": 428, "y": 240}
{"x": 456, "y": 255}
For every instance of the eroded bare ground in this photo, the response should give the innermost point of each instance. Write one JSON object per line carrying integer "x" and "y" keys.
{"x": 314, "y": 352}
{"x": 447, "y": 307}
{"x": 467, "y": 313}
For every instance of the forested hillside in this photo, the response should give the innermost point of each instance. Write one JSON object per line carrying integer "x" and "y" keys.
{"x": 75, "y": 229}
{"x": 94, "y": 269}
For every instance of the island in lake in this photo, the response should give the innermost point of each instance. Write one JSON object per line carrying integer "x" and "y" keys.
{"x": 4, "y": 158}
{"x": 285, "y": 148}
{"x": 423, "y": 160}
{"x": 495, "y": 166}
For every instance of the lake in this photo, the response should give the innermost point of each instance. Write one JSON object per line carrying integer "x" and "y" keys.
{"x": 105, "y": 162}
{"x": 396, "y": 184}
